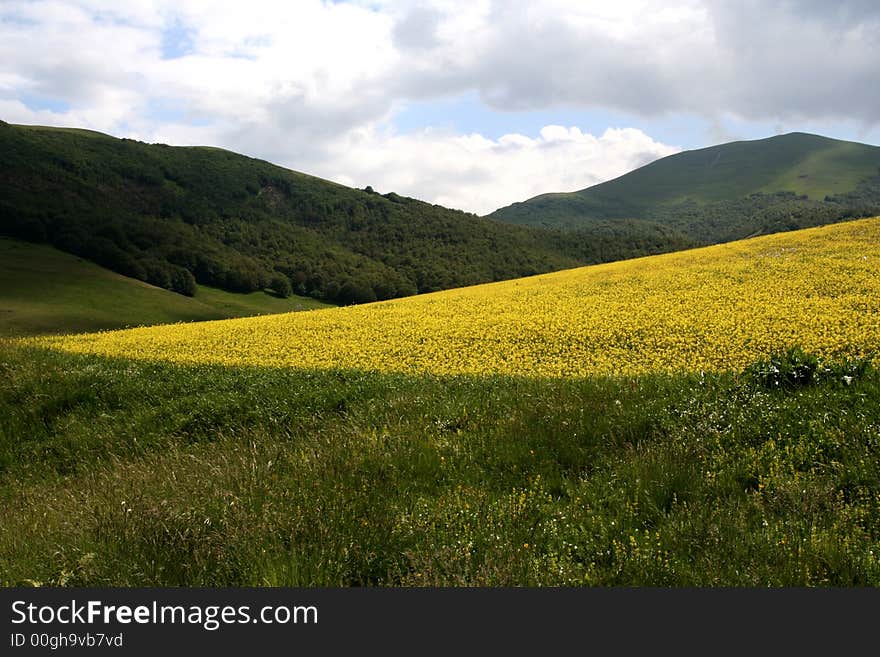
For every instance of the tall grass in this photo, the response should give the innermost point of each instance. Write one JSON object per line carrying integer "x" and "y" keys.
{"x": 116, "y": 472}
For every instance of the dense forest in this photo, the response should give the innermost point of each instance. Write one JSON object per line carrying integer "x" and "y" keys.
{"x": 714, "y": 222}
{"x": 762, "y": 213}
{"x": 177, "y": 216}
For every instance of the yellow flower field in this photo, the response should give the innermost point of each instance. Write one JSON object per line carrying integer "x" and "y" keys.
{"x": 713, "y": 308}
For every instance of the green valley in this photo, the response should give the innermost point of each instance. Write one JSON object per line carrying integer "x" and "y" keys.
{"x": 43, "y": 290}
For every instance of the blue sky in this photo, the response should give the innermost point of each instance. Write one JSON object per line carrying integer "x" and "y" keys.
{"x": 177, "y": 40}
{"x": 466, "y": 113}
{"x": 473, "y": 104}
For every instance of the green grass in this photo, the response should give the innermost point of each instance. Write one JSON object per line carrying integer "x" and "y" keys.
{"x": 741, "y": 168}
{"x": 116, "y": 472}
{"x": 83, "y": 132}
{"x": 835, "y": 169}
{"x": 43, "y": 290}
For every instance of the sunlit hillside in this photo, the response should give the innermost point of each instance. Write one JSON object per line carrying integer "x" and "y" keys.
{"x": 715, "y": 308}
{"x": 728, "y": 191}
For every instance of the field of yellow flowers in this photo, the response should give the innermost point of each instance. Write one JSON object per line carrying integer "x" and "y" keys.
{"x": 714, "y": 308}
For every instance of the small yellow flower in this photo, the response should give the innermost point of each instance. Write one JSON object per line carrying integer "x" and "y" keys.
{"x": 709, "y": 309}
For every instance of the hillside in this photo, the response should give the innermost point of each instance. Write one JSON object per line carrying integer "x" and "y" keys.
{"x": 43, "y": 290}
{"x": 176, "y": 217}
{"x": 728, "y": 191}
{"x": 642, "y": 423}
{"x": 714, "y": 308}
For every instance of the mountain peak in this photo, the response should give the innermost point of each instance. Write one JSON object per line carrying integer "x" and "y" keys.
{"x": 808, "y": 166}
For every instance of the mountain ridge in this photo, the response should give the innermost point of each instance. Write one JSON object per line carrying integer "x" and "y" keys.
{"x": 180, "y": 216}
{"x": 801, "y": 172}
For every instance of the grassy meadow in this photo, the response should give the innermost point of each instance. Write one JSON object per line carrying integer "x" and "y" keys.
{"x": 123, "y": 463}
{"x": 129, "y": 473}
{"x": 44, "y": 291}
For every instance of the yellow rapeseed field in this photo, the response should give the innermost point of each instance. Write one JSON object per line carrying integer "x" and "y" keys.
{"x": 714, "y": 308}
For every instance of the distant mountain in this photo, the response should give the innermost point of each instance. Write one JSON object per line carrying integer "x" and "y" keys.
{"x": 178, "y": 216}
{"x": 726, "y": 192}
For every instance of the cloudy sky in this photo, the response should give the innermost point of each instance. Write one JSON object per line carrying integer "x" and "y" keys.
{"x": 473, "y": 104}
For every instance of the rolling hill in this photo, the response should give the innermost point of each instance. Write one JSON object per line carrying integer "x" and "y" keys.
{"x": 176, "y": 217}
{"x": 44, "y": 290}
{"x": 728, "y": 191}
{"x": 714, "y": 308}
{"x": 471, "y": 437}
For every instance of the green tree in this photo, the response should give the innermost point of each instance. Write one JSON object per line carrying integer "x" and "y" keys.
{"x": 280, "y": 285}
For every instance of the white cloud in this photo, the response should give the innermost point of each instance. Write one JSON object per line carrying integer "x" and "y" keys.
{"x": 474, "y": 173}
{"x": 315, "y": 84}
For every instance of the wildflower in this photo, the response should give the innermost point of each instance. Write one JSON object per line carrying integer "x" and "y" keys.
{"x": 710, "y": 309}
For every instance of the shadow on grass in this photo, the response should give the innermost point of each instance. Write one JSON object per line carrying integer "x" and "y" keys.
{"x": 116, "y": 472}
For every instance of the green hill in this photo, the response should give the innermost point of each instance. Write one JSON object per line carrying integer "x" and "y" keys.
{"x": 177, "y": 217}
{"x": 43, "y": 290}
{"x": 728, "y": 191}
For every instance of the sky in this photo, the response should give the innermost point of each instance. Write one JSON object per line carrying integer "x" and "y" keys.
{"x": 471, "y": 104}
